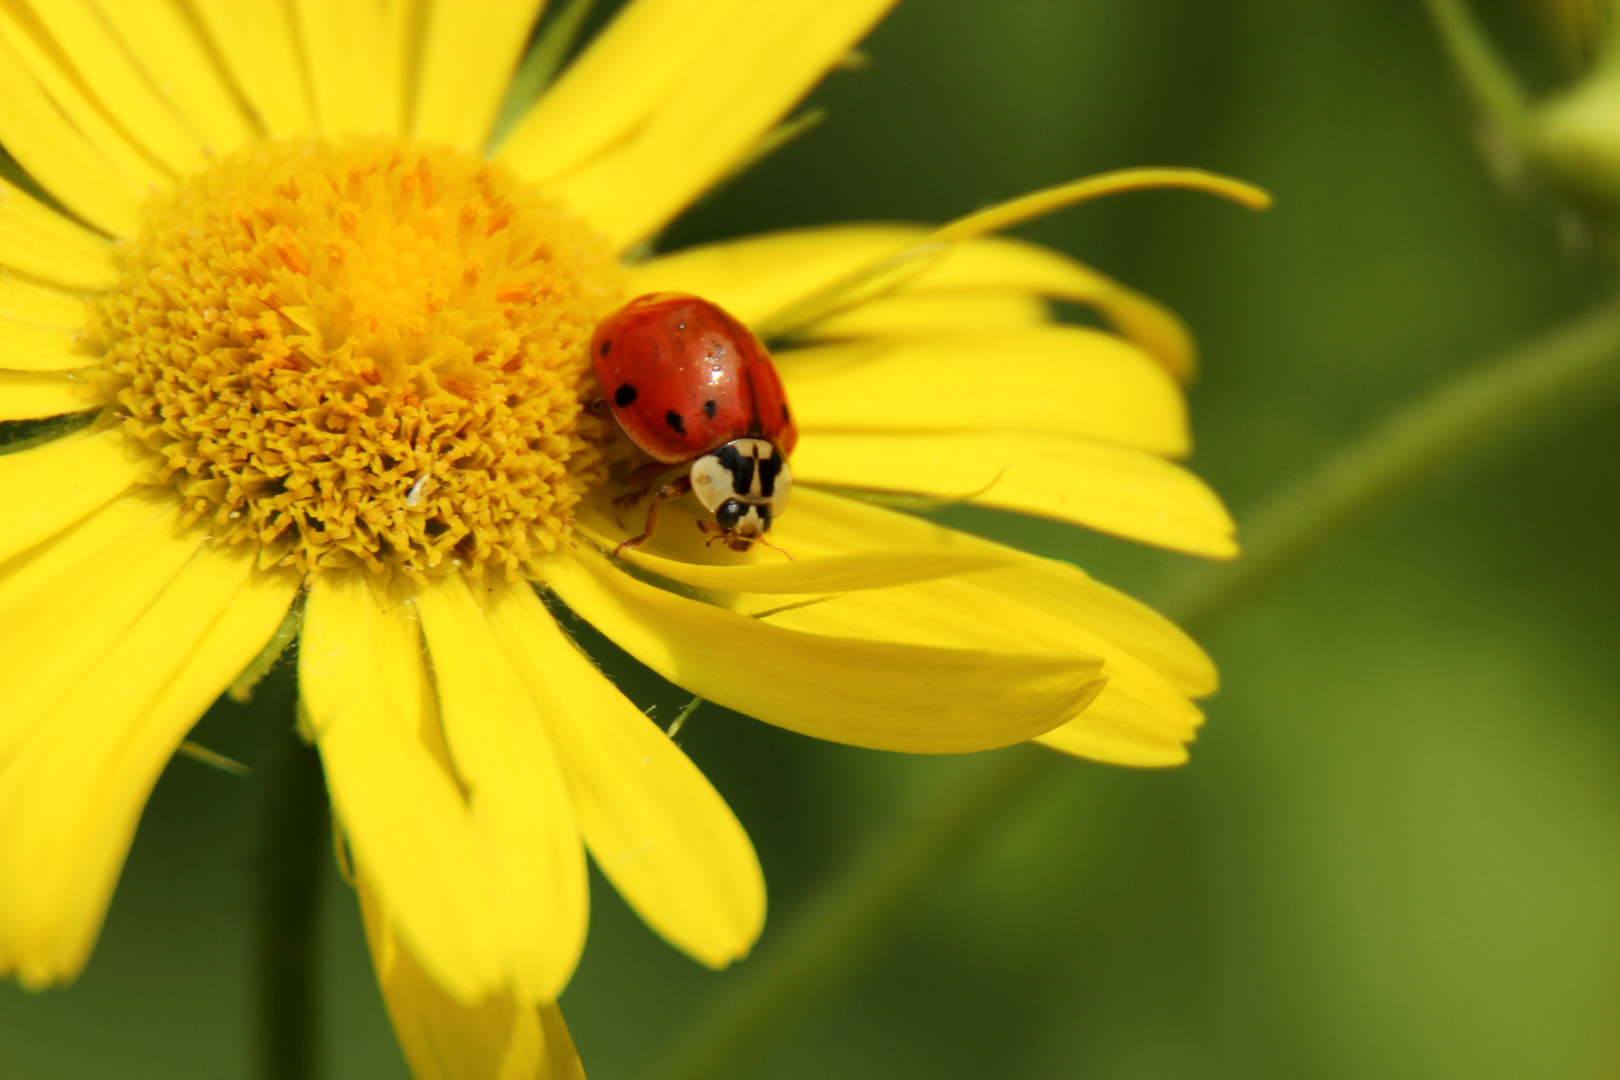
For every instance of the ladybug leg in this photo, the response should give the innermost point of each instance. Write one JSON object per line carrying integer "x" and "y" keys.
{"x": 672, "y": 490}
{"x": 640, "y": 481}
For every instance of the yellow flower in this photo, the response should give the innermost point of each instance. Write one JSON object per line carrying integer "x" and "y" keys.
{"x": 327, "y": 352}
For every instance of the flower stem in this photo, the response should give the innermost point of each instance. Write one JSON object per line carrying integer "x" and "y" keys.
{"x": 1571, "y": 370}
{"x": 296, "y": 833}
{"x": 1485, "y": 76}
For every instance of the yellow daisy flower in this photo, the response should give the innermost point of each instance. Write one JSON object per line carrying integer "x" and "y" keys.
{"x": 330, "y": 360}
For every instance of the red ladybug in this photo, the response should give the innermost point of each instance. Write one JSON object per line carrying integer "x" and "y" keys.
{"x": 693, "y": 386}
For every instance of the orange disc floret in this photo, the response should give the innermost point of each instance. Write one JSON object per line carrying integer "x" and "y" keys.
{"x": 367, "y": 352}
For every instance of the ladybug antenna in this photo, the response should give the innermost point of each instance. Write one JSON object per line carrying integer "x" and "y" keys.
{"x": 785, "y": 552}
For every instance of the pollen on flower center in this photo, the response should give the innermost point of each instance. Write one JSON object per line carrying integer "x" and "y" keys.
{"x": 368, "y": 352}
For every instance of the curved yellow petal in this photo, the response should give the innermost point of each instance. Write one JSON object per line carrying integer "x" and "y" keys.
{"x": 366, "y": 691}
{"x": 499, "y": 1038}
{"x": 657, "y": 828}
{"x": 1061, "y": 379}
{"x": 933, "y": 314}
{"x": 63, "y": 94}
{"x": 884, "y": 695}
{"x": 36, "y": 240}
{"x": 520, "y": 802}
{"x": 1003, "y": 262}
{"x": 71, "y": 796}
{"x": 827, "y": 574}
{"x": 1037, "y": 204}
{"x": 1111, "y": 733}
{"x": 343, "y": 55}
{"x": 1064, "y": 592}
{"x": 124, "y": 162}
{"x": 33, "y": 302}
{"x": 469, "y": 52}
{"x": 255, "y": 41}
{"x": 29, "y": 395}
{"x": 611, "y": 90}
{"x": 64, "y": 161}
{"x": 1111, "y": 489}
{"x": 65, "y": 606}
{"x": 825, "y": 523}
{"x": 164, "y": 41}
{"x": 708, "y": 117}
{"x": 49, "y": 488}
{"x": 760, "y": 277}
{"x": 1137, "y": 701}
{"x": 26, "y": 347}
{"x": 116, "y": 84}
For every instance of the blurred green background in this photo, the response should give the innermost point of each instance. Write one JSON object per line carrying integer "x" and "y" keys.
{"x": 1396, "y": 852}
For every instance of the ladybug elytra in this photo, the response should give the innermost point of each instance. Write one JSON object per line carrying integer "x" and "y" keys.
{"x": 691, "y": 386}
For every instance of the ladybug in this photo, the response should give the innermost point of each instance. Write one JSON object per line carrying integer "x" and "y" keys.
{"x": 694, "y": 388}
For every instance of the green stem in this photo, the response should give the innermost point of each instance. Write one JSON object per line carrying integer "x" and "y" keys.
{"x": 1556, "y": 377}
{"x": 289, "y": 891}
{"x": 1573, "y": 369}
{"x": 1486, "y": 77}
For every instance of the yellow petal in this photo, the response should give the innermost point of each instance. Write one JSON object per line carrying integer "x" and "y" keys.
{"x": 499, "y": 1038}
{"x": 124, "y": 162}
{"x": 822, "y": 522}
{"x": 27, "y": 395}
{"x": 1109, "y": 488}
{"x": 615, "y": 85}
{"x": 882, "y": 695}
{"x": 832, "y": 573}
{"x": 759, "y": 278}
{"x": 469, "y": 52}
{"x": 65, "y": 607}
{"x": 897, "y": 269}
{"x": 255, "y": 42}
{"x": 707, "y": 118}
{"x": 361, "y": 673}
{"x": 1138, "y": 705}
{"x": 115, "y": 84}
{"x": 36, "y": 567}
{"x": 32, "y": 302}
{"x": 1061, "y": 379}
{"x": 1109, "y": 734}
{"x": 933, "y": 314}
{"x": 1017, "y": 264}
{"x": 1063, "y": 591}
{"x": 26, "y": 347}
{"x": 39, "y": 241}
{"x": 165, "y": 42}
{"x": 51, "y": 487}
{"x": 658, "y": 830}
{"x": 343, "y": 56}
{"x": 1142, "y": 717}
{"x": 520, "y": 801}
{"x": 72, "y": 794}
{"x": 56, "y": 154}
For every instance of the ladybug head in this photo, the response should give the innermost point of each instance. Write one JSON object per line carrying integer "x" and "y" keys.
{"x": 745, "y": 484}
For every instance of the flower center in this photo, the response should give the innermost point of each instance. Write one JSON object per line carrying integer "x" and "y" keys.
{"x": 370, "y": 352}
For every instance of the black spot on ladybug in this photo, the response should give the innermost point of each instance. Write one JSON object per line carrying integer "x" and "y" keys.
{"x": 768, "y": 468}
{"x": 741, "y": 468}
{"x": 606, "y": 347}
{"x": 624, "y": 395}
{"x": 709, "y": 408}
{"x": 673, "y": 419}
{"x": 786, "y": 419}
